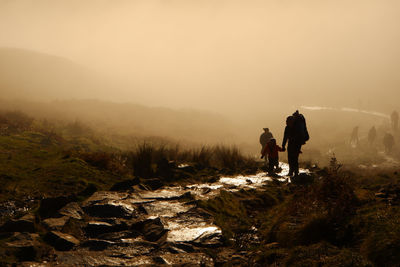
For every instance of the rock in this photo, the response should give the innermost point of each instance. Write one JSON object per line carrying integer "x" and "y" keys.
{"x": 74, "y": 227}
{"x": 214, "y": 179}
{"x": 125, "y": 185}
{"x": 105, "y": 196}
{"x": 97, "y": 244}
{"x": 208, "y": 239}
{"x": 111, "y": 209}
{"x": 175, "y": 250}
{"x": 273, "y": 245}
{"x": 186, "y": 259}
{"x": 187, "y": 168}
{"x": 55, "y": 223}
{"x": 185, "y": 246}
{"x": 160, "y": 260}
{"x": 140, "y": 187}
{"x": 24, "y": 224}
{"x": 117, "y": 236}
{"x": 152, "y": 229}
{"x": 206, "y": 190}
{"x": 49, "y": 206}
{"x": 187, "y": 196}
{"x": 381, "y": 195}
{"x": 24, "y": 246}
{"x": 233, "y": 259}
{"x": 61, "y": 241}
{"x": 96, "y": 228}
{"x": 153, "y": 183}
{"x": 72, "y": 210}
{"x": 34, "y": 264}
{"x": 229, "y": 255}
{"x": 5, "y": 235}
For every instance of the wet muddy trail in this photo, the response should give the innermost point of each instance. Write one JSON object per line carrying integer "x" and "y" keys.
{"x": 142, "y": 227}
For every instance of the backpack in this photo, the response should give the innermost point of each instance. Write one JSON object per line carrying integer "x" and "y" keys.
{"x": 300, "y": 127}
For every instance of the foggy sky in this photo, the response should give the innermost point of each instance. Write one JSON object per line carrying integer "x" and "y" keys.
{"x": 229, "y": 56}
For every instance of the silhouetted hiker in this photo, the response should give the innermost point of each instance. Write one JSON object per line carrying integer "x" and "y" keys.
{"x": 388, "y": 142}
{"x": 271, "y": 151}
{"x": 296, "y": 134}
{"x": 264, "y": 139}
{"x": 395, "y": 120}
{"x": 372, "y": 136}
{"x": 354, "y": 137}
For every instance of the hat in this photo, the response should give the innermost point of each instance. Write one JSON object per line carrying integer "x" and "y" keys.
{"x": 266, "y": 129}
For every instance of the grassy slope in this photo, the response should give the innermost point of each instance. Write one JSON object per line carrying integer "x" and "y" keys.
{"x": 336, "y": 220}
{"x": 30, "y": 164}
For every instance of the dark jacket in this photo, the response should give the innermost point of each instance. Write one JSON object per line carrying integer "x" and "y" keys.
{"x": 265, "y": 137}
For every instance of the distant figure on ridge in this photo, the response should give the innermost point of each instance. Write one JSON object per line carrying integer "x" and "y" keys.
{"x": 395, "y": 120}
{"x": 264, "y": 139}
{"x": 354, "y": 137}
{"x": 296, "y": 134}
{"x": 371, "y": 136}
{"x": 388, "y": 142}
{"x": 271, "y": 151}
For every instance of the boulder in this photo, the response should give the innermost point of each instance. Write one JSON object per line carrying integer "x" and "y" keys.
{"x": 152, "y": 229}
{"x": 23, "y": 246}
{"x": 24, "y": 224}
{"x": 208, "y": 239}
{"x": 55, "y": 223}
{"x": 72, "y": 210}
{"x": 49, "y": 206}
{"x": 97, "y": 244}
{"x": 61, "y": 241}
{"x": 153, "y": 183}
{"x": 185, "y": 247}
{"x": 96, "y": 228}
{"x": 118, "y": 236}
{"x": 111, "y": 209}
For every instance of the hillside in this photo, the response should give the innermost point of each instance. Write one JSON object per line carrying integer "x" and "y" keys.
{"x": 34, "y": 75}
{"x": 133, "y": 120}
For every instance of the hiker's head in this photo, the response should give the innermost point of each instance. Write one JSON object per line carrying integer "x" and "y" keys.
{"x": 266, "y": 130}
{"x": 289, "y": 121}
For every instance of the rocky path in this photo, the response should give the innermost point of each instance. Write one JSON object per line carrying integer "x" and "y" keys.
{"x": 133, "y": 228}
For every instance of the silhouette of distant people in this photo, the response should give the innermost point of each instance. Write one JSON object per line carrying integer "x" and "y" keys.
{"x": 354, "y": 137}
{"x": 388, "y": 142}
{"x": 271, "y": 151}
{"x": 394, "y": 117}
{"x": 371, "y": 136}
{"x": 264, "y": 139}
{"x": 296, "y": 135}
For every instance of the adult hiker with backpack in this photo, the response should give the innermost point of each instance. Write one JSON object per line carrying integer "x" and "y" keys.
{"x": 296, "y": 135}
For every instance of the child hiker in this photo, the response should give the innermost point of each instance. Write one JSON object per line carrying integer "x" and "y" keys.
{"x": 271, "y": 150}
